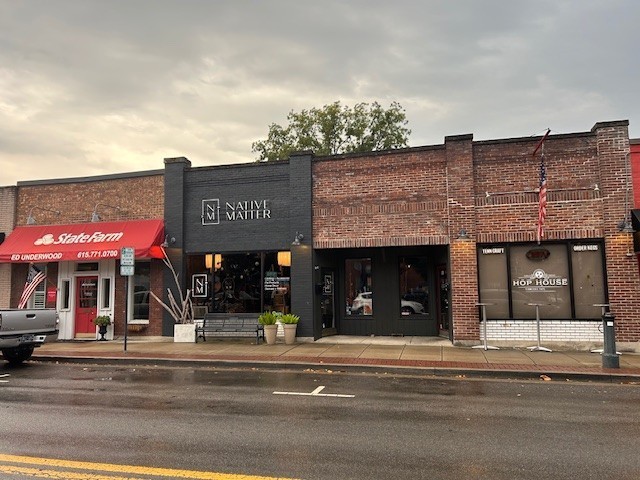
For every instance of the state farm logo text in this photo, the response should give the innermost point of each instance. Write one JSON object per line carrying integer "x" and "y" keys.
{"x": 69, "y": 238}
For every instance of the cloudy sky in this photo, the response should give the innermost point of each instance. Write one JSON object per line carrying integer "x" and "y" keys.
{"x": 95, "y": 87}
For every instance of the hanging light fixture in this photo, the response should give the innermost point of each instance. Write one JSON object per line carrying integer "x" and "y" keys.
{"x": 31, "y": 219}
{"x": 297, "y": 239}
{"x": 284, "y": 259}
{"x": 208, "y": 261}
{"x": 217, "y": 261}
{"x": 95, "y": 217}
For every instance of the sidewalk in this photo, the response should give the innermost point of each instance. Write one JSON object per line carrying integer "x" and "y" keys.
{"x": 429, "y": 355}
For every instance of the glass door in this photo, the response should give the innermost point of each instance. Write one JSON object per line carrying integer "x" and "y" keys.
{"x": 327, "y": 300}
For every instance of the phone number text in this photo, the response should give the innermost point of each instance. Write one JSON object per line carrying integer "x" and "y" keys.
{"x": 99, "y": 254}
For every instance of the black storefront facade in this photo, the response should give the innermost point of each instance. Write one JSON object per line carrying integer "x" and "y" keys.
{"x": 239, "y": 237}
{"x": 390, "y": 291}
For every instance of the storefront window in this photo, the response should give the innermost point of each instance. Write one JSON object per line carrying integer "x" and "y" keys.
{"x": 106, "y": 293}
{"x": 141, "y": 291}
{"x": 588, "y": 279}
{"x": 565, "y": 280}
{"x": 359, "y": 294}
{"x": 40, "y": 293}
{"x": 540, "y": 275}
{"x": 277, "y": 282}
{"x": 414, "y": 293}
{"x": 494, "y": 283}
{"x": 65, "y": 294}
{"x": 250, "y": 282}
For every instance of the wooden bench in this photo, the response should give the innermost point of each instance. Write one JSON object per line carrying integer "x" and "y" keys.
{"x": 229, "y": 327}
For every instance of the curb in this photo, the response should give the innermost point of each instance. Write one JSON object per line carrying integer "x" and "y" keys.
{"x": 431, "y": 371}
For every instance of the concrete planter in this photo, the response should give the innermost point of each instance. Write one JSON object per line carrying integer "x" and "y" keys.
{"x": 184, "y": 333}
{"x": 270, "y": 332}
{"x": 290, "y": 333}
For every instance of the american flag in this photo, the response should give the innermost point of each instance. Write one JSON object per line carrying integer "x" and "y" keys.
{"x": 542, "y": 195}
{"x": 34, "y": 278}
{"x": 542, "y": 200}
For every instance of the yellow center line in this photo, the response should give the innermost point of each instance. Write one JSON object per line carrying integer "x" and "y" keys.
{"x": 58, "y": 474}
{"x": 126, "y": 469}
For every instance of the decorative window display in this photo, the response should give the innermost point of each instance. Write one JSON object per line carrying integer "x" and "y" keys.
{"x": 244, "y": 282}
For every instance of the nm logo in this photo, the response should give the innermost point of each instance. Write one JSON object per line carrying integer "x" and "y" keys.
{"x": 211, "y": 211}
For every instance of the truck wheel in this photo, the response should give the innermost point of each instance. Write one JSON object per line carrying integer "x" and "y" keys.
{"x": 17, "y": 355}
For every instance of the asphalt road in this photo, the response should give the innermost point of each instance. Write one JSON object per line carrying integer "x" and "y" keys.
{"x": 342, "y": 426}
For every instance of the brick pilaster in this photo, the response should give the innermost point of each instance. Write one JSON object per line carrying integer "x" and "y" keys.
{"x": 622, "y": 264}
{"x": 464, "y": 266}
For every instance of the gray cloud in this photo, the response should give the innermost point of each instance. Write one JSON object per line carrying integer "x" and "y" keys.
{"x": 92, "y": 87}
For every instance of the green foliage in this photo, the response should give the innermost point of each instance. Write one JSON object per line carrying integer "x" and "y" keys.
{"x": 289, "y": 318}
{"x": 268, "y": 318}
{"x": 335, "y": 129}
{"x": 102, "y": 321}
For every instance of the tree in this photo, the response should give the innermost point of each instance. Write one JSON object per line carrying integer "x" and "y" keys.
{"x": 335, "y": 129}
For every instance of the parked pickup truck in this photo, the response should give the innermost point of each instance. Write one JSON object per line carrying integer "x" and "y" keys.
{"x": 22, "y": 330}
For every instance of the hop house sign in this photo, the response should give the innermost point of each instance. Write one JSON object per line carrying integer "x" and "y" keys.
{"x": 540, "y": 281}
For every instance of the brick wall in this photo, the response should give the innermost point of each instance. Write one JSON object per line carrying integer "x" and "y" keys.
{"x": 138, "y": 196}
{"x": 7, "y": 219}
{"x": 380, "y": 200}
{"x": 425, "y": 196}
{"x": 506, "y": 189}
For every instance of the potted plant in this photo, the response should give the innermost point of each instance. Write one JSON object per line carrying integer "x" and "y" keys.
{"x": 180, "y": 308}
{"x": 268, "y": 321}
{"x": 102, "y": 322}
{"x": 289, "y": 323}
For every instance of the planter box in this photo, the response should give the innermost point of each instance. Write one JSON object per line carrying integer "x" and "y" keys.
{"x": 184, "y": 333}
{"x": 290, "y": 333}
{"x": 270, "y": 334}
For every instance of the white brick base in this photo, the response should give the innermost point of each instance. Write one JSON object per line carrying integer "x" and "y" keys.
{"x": 550, "y": 330}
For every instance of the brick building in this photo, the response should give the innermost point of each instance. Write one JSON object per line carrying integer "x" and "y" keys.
{"x": 402, "y": 242}
{"x": 408, "y": 242}
{"x": 634, "y": 156}
{"x": 467, "y": 212}
{"x": 72, "y": 229}
{"x": 635, "y": 169}
{"x": 7, "y": 221}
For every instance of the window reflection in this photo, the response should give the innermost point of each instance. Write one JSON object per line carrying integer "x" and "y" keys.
{"x": 358, "y": 286}
{"x": 141, "y": 282}
{"x": 414, "y": 293}
{"x": 547, "y": 275}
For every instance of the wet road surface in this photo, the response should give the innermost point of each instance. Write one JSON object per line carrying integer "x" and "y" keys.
{"x": 320, "y": 424}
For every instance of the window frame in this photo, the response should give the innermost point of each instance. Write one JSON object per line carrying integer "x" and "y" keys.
{"x": 368, "y": 283}
{"x": 569, "y": 254}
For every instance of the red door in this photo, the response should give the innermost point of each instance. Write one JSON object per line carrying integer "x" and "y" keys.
{"x": 86, "y": 305}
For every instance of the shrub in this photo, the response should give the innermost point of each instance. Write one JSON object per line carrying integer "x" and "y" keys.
{"x": 289, "y": 318}
{"x": 267, "y": 318}
{"x": 102, "y": 321}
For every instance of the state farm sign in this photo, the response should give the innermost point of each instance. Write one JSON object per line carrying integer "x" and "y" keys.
{"x": 69, "y": 238}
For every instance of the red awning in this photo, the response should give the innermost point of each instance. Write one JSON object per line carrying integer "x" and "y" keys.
{"x": 82, "y": 241}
